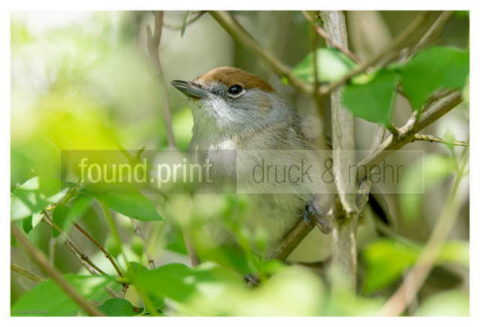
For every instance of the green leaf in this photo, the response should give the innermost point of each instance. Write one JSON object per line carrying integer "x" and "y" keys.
{"x": 119, "y": 308}
{"x": 47, "y": 299}
{"x": 175, "y": 281}
{"x": 420, "y": 177}
{"x": 132, "y": 204}
{"x": 433, "y": 69}
{"x": 372, "y": 100}
{"x": 331, "y": 63}
{"x": 386, "y": 260}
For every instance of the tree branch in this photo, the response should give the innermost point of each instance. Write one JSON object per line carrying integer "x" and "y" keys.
{"x": 436, "y": 110}
{"x": 344, "y": 249}
{"x": 419, "y": 273}
{"x": 42, "y": 261}
{"x": 243, "y": 37}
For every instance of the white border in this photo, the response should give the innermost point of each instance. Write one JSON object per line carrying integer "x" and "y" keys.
{"x": 250, "y": 5}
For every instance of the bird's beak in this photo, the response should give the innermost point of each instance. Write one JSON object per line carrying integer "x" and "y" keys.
{"x": 190, "y": 89}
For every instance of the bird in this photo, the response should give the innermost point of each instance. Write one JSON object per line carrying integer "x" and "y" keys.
{"x": 236, "y": 110}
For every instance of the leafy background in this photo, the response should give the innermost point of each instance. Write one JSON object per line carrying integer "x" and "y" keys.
{"x": 83, "y": 81}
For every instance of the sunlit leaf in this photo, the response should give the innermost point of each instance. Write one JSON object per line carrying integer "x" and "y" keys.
{"x": 372, "y": 100}
{"x": 455, "y": 252}
{"x": 48, "y": 299}
{"x": 434, "y": 69}
{"x": 27, "y": 201}
{"x": 332, "y": 65}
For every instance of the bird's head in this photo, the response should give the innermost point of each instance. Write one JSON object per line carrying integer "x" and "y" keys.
{"x": 230, "y": 98}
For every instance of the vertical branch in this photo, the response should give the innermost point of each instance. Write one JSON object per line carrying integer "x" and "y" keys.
{"x": 153, "y": 43}
{"x": 344, "y": 252}
{"x": 42, "y": 261}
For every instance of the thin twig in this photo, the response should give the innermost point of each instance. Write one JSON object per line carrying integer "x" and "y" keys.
{"x": 101, "y": 248}
{"x": 432, "y": 32}
{"x": 434, "y": 139}
{"x": 415, "y": 278}
{"x": 408, "y": 131}
{"x": 189, "y": 21}
{"x": 320, "y": 31}
{"x": 42, "y": 261}
{"x": 153, "y": 43}
{"x": 242, "y": 36}
{"x": 383, "y": 56}
{"x": 25, "y": 273}
{"x": 138, "y": 232}
{"x": 82, "y": 257}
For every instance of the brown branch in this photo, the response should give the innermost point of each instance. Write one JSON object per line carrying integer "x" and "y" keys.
{"x": 153, "y": 44}
{"x": 243, "y": 37}
{"x": 383, "y": 56}
{"x": 415, "y": 278}
{"x": 25, "y": 273}
{"x": 320, "y": 31}
{"x": 42, "y": 261}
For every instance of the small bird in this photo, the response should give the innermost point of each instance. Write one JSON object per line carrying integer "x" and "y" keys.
{"x": 236, "y": 110}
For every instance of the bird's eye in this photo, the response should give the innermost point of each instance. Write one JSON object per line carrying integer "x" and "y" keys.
{"x": 235, "y": 91}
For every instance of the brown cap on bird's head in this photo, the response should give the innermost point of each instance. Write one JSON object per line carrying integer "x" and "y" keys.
{"x": 233, "y": 78}
{"x": 230, "y": 76}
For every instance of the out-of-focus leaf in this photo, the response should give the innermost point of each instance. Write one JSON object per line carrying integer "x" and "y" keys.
{"x": 386, "y": 260}
{"x": 433, "y": 69}
{"x": 372, "y": 100}
{"x": 419, "y": 177}
{"x": 455, "y": 252}
{"x": 182, "y": 125}
{"x": 118, "y": 308}
{"x": 47, "y": 299}
{"x": 130, "y": 203}
{"x": 27, "y": 201}
{"x": 332, "y": 65}
{"x": 175, "y": 281}
{"x": 448, "y": 303}
{"x": 59, "y": 214}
